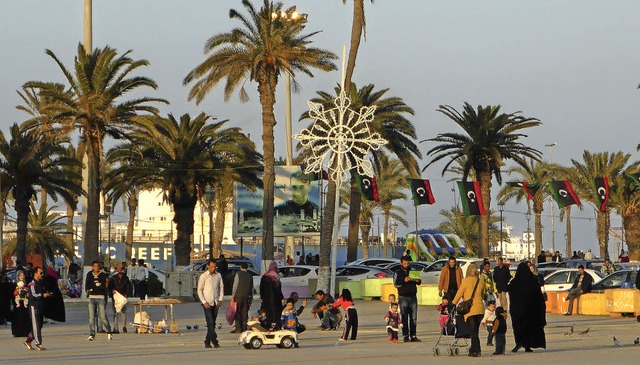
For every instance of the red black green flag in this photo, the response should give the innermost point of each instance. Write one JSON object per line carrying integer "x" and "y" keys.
{"x": 471, "y": 198}
{"x": 635, "y": 177}
{"x": 368, "y": 187}
{"x": 563, "y": 193}
{"x": 601, "y": 184}
{"x": 530, "y": 188}
{"x": 421, "y": 192}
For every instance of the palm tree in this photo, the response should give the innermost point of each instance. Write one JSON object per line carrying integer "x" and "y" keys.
{"x": 181, "y": 157}
{"x": 94, "y": 105}
{"x": 392, "y": 123}
{"x": 490, "y": 139}
{"x": 358, "y": 26}
{"x": 29, "y": 161}
{"x": 392, "y": 185}
{"x": 260, "y": 50}
{"x": 535, "y": 172}
{"x": 45, "y": 229}
{"x": 599, "y": 164}
{"x": 467, "y": 228}
{"x": 625, "y": 199}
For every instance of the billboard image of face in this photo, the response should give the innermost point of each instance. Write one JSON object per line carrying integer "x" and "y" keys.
{"x": 296, "y": 206}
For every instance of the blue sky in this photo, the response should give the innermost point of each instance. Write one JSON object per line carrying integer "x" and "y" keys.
{"x": 573, "y": 64}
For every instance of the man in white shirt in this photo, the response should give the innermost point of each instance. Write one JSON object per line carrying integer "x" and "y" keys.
{"x": 132, "y": 270}
{"x": 210, "y": 293}
{"x": 142, "y": 274}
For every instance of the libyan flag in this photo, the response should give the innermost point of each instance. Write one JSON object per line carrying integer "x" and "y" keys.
{"x": 471, "y": 198}
{"x": 601, "y": 185}
{"x": 368, "y": 187}
{"x": 563, "y": 193}
{"x": 421, "y": 192}
{"x": 530, "y": 188}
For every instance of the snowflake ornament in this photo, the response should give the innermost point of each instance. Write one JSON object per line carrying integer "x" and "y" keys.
{"x": 341, "y": 136}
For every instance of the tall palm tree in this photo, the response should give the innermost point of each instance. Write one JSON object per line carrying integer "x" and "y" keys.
{"x": 598, "y": 164}
{"x": 260, "y": 50}
{"x": 29, "y": 161}
{"x": 625, "y": 199}
{"x": 490, "y": 139}
{"x": 535, "y": 172}
{"x": 391, "y": 122}
{"x": 392, "y": 185}
{"x": 181, "y": 157}
{"x": 358, "y": 27}
{"x": 94, "y": 104}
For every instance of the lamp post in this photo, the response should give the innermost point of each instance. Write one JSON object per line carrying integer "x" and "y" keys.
{"x": 209, "y": 195}
{"x": 108, "y": 211}
{"x": 501, "y": 207}
{"x": 553, "y": 225}
{"x": 527, "y": 215}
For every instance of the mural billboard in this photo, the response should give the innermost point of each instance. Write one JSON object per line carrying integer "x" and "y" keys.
{"x": 296, "y": 205}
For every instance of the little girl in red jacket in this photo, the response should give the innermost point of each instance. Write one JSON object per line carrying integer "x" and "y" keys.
{"x": 351, "y": 314}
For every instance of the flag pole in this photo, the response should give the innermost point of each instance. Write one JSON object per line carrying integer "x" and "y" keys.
{"x": 416, "y": 212}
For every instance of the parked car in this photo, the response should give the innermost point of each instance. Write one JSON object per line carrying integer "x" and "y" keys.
{"x": 372, "y": 262}
{"x": 355, "y": 273}
{"x": 432, "y": 273}
{"x": 562, "y": 280}
{"x": 291, "y": 276}
{"x": 616, "y": 279}
{"x": 201, "y": 265}
{"x": 421, "y": 266}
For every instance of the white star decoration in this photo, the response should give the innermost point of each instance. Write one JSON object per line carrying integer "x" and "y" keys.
{"x": 341, "y": 136}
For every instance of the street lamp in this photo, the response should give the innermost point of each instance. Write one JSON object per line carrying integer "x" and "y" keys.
{"x": 501, "y": 207}
{"x": 553, "y": 226}
{"x": 209, "y": 195}
{"x": 527, "y": 215}
{"x": 108, "y": 210}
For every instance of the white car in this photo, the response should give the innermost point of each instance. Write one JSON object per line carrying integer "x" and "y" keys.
{"x": 373, "y": 262}
{"x": 357, "y": 273}
{"x": 291, "y": 276}
{"x": 432, "y": 273}
{"x": 282, "y": 339}
{"x": 562, "y": 280}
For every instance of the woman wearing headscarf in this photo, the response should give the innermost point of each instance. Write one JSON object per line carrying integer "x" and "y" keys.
{"x": 20, "y": 324}
{"x": 271, "y": 295}
{"x": 474, "y": 316}
{"x": 527, "y": 310}
{"x": 54, "y": 309}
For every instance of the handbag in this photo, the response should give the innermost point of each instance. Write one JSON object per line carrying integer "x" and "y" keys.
{"x": 465, "y": 307}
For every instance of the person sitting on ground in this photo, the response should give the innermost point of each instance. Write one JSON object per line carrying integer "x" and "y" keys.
{"x": 329, "y": 317}
{"x": 289, "y": 318}
{"x": 581, "y": 285}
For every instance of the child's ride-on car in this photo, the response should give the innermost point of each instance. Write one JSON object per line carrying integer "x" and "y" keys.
{"x": 254, "y": 339}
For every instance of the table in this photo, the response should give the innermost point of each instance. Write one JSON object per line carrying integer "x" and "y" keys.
{"x": 168, "y": 308}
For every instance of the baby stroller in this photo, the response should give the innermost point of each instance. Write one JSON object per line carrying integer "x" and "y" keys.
{"x": 453, "y": 336}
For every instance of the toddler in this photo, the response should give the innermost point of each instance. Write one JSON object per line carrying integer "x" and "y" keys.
{"x": 444, "y": 309}
{"x": 394, "y": 322}
{"x": 351, "y": 314}
{"x": 499, "y": 330}
{"x": 21, "y": 295}
{"x": 259, "y": 323}
{"x": 289, "y": 318}
{"x": 488, "y": 319}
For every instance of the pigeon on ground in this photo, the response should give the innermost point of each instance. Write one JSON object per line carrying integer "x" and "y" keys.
{"x": 570, "y": 331}
{"x": 195, "y": 326}
{"x": 584, "y": 333}
{"x": 636, "y": 341}
{"x": 188, "y": 328}
{"x": 616, "y": 343}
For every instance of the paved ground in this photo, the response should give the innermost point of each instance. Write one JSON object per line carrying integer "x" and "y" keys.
{"x": 66, "y": 343}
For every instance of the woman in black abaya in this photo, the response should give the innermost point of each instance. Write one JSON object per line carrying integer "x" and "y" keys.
{"x": 527, "y": 309}
{"x": 271, "y": 295}
{"x": 54, "y": 307}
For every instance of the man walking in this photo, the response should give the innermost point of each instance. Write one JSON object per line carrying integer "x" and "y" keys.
{"x": 132, "y": 271}
{"x": 242, "y": 293}
{"x": 96, "y": 284}
{"x": 142, "y": 274}
{"x": 121, "y": 284}
{"x": 581, "y": 285}
{"x": 450, "y": 279}
{"x": 407, "y": 299}
{"x": 501, "y": 277}
{"x": 37, "y": 295}
{"x": 210, "y": 292}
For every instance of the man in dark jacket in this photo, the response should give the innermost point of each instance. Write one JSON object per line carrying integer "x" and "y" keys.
{"x": 542, "y": 257}
{"x": 501, "y": 277}
{"x": 581, "y": 285}
{"x": 37, "y": 295}
{"x": 96, "y": 287}
{"x": 407, "y": 299}
{"x": 329, "y": 317}
{"x": 242, "y": 293}
{"x": 119, "y": 283}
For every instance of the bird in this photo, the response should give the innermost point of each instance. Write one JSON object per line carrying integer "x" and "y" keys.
{"x": 616, "y": 343}
{"x": 584, "y": 333}
{"x": 195, "y": 326}
{"x": 636, "y": 341}
{"x": 188, "y": 328}
{"x": 570, "y": 331}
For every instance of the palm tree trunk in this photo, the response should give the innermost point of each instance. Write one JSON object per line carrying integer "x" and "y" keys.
{"x": 218, "y": 233}
{"x": 601, "y": 233}
{"x": 132, "y": 204}
{"x": 355, "y": 200}
{"x": 567, "y": 217}
{"x": 386, "y": 234}
{"x": 68, "y": 237}
{"x": 266, "y": 88}
{"x": 183, "y": 218}
{"x": 538, "y": 207}
{"x": 483, "y": 234}
{"x": 94, "y": 184}
{"x": 365, "y": 229}
{"x": 631, "y": 223}
{"x": 326, "y": 235}
{"x": 22, "y": 220}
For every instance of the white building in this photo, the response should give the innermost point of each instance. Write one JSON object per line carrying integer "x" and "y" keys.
{"x": 520, "y": 247}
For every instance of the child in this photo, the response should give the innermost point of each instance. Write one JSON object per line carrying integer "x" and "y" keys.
{"x": 444, "y": 309}
{"x": 259, "y": 323}
{"x": 21, "y": 295}
{"x": 351, "y": 314}
{"x": 488, "y": 319}
{"x": 394, "y": 322}
{"x": 289, "y": 318}
{"x": 499, "y": 330}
